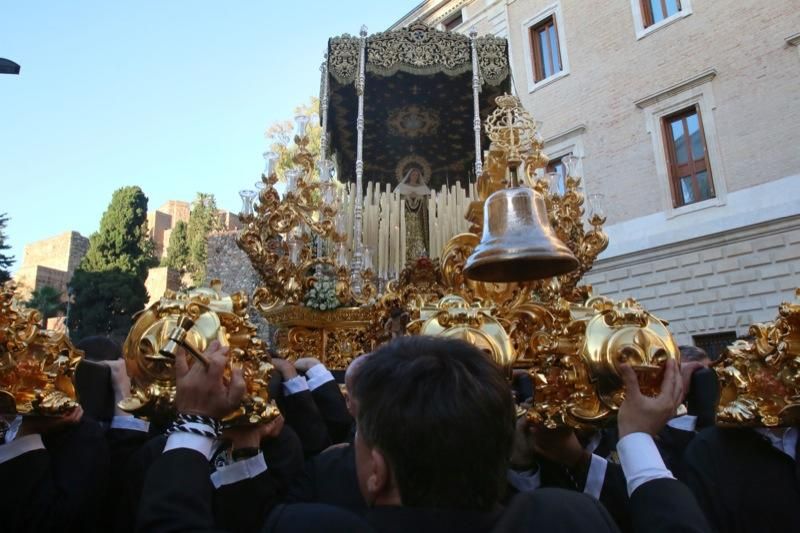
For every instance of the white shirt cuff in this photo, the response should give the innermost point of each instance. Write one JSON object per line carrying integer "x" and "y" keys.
{"x": 239, "y": 470}
{"x": 294, "y": 385}
{"x": 13, "y": 429}
{"x": 130, "y": 422}
{"x": 318, "y": 375}
{"x": 524, "y": 481}
{"x": 685, "y": 422}
{"x": 191, "y": 441}
{"x": 641, "y": 462}
{"x": 20, "y": 446}
{"x": 595, "y": 477}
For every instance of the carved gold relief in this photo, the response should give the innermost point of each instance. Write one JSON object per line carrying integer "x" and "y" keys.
{"x": 36, "y": 365}
{"x": 760, "y": 378}
{"x": 191, "y": 321}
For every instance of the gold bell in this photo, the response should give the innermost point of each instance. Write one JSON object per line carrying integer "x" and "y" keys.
{"x": 518, "y": 243}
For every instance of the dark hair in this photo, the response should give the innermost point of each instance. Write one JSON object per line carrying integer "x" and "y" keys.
{"x": 99, "y": 348}
{"x": 439, "y": 411}
{"x": 692, "y": 353}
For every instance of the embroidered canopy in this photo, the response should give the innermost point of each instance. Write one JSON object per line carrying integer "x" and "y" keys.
{"x": 418, "y": 101}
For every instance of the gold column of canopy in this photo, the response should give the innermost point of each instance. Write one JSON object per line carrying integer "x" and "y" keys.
{"x": 36, "y": 365}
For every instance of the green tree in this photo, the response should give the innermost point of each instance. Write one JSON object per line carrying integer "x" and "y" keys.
{"x": 5, "y": 260}
{"x": 203, "y": 219}
{"x": 177, "y": 256}
{"x": 46, "y": 300}
{"x": 122, "y": 242}
{"x": 281, "y": 135}
{"x": 108, "y": 286}
{"x": 104, "y": 303}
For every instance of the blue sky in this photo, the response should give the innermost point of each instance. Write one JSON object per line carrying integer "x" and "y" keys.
{"x": 173, "y": 96}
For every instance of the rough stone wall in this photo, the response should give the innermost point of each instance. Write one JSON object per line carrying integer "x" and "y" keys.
{"x": 228, "y": 263}
{"x": 159, "y": 222}
{"x": 51, "y": 262}
{"x": 723, "y": 282}
{"x": 159, "y": 280}
{"x": 62, "y": 252}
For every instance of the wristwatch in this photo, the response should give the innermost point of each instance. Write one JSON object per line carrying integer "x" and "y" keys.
{"x": 244, "y": 453}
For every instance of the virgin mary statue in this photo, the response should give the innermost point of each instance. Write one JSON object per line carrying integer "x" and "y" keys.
{"x": 415, "y": 192}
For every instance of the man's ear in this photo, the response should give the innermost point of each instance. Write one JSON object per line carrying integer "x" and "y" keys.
{"x": 379, "y": 476}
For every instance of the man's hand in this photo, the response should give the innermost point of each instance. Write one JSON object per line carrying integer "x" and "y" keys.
{"x": 305, "y": 363}
{"x": 43, "y": 425}
{"x": 642, "y": 414}
{"x": 251, "y": 436}
{"x": 202, "y": 391}
{"x": 287, "y": 369}
{"x": 120, "y": 382}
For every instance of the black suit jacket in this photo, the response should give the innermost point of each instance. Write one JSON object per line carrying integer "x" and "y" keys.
{"x": 330, "y": 478}
{"x": 742, "y": 482}
{"x": 613, "y": 494}
{"x": 666, "y": 505}
{"x": 301, "y": 413}
{"x": 333, "y": 408}
{"x": 555, "y": 510}
{"x": 59, "y": 488}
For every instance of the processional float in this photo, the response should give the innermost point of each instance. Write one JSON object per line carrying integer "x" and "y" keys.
{"x": 440, "y": 220}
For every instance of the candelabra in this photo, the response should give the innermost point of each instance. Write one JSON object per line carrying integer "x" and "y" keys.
{"x": 283, "y": 235}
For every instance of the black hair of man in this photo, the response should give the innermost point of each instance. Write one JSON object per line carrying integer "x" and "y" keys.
{"x": 439, "y": 410}
{"x": 100, "y": 348}
{"x": 692, "y": 353}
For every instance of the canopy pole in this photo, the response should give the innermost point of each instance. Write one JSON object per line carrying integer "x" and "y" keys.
{"x": 476, "y": 87}
{"x": 323, "y": 141}
{"x": 323, "y": 104}
{"x": 355, "y": 282}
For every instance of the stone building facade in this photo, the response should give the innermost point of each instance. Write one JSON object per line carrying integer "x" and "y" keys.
{"x": 622, "y": 76}
{"x": 161, "y": 222}
{"x": 51, "y": 262}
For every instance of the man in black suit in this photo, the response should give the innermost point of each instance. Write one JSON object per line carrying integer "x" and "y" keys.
{"x": 746, "y": 479}
{"x": 330, "y": 477}
{"x": 424, "y": 462}
{"x": 54, "y": 474}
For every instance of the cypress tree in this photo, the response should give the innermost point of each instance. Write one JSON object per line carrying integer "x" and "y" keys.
{"x": 108, "y": 286}
{"x": 177, "y": 256}
{"x": 5, "y": 260}
{"x": 203, "y": 220}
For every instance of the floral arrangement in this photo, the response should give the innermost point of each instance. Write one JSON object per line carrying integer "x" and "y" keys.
{"x": 322, "y": 295}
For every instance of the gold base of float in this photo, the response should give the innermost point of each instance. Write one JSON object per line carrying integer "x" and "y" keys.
{"x": 334, "y": 337}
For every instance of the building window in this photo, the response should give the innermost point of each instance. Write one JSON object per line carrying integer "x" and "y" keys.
{"x": 556, "y": 165}
{"x": 689, "y": 171}
{"x": 545, "y": 49}
{"x": 650, "y": 15}
{"x": 654, "y": 11}
{"x": 453, "y": 21}
{"x": 715, "y": 343}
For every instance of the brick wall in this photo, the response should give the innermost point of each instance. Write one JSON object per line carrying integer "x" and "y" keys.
{"x": 722, "y": 282}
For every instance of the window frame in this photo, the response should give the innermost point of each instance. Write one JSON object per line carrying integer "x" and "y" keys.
{"x": 641, "y": 16}
{"x": 672, "y": 159}
{"x": 554, "y": 11}
{"x": 458, "y": 15}
{"x": 693, "y": 91}
{"x": 537, "y": 53}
